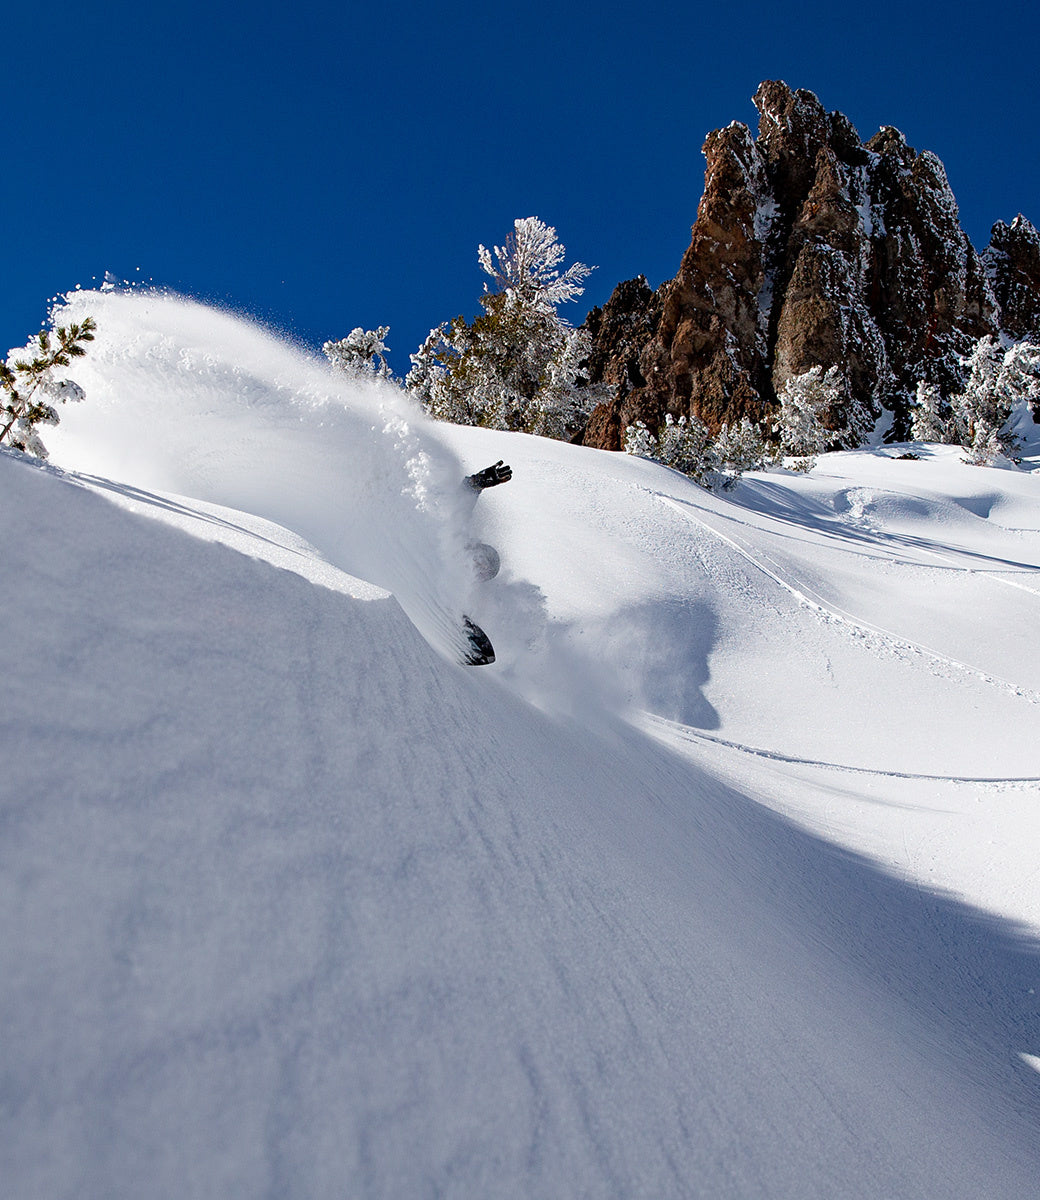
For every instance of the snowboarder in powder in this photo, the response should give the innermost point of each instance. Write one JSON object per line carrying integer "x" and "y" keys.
{"x": 486, "y": 561}
{"x": 486, "y": 564}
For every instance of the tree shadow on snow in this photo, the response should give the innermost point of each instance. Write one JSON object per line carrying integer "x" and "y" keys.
{"x": 806, "y": 512}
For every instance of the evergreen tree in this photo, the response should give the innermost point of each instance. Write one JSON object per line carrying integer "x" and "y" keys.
{"x": 517, "y": 365}
{"x": 986, "y": 445}
{"x": 361, "y": 352}
{"x": 741, "y": 447}
{"x": 27, "y": 383}
{"x": 640, "y": 441}
{"x": 804, "y": 401}
{"x": 998, "y": 381}
{"x": 930, "y": 422}
{"x": 684, "y": 445}
{"x": 527, "y": 266}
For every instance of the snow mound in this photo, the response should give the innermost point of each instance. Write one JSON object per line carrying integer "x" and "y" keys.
{"x": 295, "y": 906}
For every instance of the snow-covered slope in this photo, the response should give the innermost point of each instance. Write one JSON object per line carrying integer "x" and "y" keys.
{"x": 741, "y": 905}
{"x": 866, "y": 633}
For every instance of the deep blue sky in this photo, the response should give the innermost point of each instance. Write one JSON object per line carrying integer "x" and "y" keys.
{"x": 325, "y": 165}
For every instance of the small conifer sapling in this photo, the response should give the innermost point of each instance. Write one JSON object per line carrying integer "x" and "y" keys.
{"x": 28, "y": 383}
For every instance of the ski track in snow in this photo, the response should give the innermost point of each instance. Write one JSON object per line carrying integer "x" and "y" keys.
{"x": 979, "y": 573}
{"x": 804, "y": 595}
{"x": 659, "y": 726}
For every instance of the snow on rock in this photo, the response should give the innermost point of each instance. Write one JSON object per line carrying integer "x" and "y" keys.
{"x": 295, "y": 906}
{"x": 1012, "y": 263}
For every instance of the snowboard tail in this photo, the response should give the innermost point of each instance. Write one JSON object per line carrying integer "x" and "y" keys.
{"x": 479, "y": 652}
{"x": 449, "y": 631}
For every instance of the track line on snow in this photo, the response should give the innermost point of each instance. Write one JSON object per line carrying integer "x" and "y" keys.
{"x": 987, "y": 573}
{"x": 686, "y": 733}
{"x": 990, "y": 574}
{"x": 822, "y": 605}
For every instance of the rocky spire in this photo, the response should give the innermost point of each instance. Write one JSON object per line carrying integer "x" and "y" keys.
{"x": 810, "y": 248}
{"x": 1012, "y": 262}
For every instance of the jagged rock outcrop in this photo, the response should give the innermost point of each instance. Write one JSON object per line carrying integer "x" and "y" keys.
{"x": 810, "y": 248}
{"x": 620, "y": 331}
{"x": 1012, "y": 262}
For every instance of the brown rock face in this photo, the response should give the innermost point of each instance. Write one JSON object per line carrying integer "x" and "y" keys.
{"x": 810, "y": 248}
{"x": 1013, "y": 266}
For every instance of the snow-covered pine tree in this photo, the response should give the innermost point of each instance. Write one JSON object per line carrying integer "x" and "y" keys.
{"x": 361, "y": 352}
{"x": 528, "y": 265}
{"x": 27, "y": 382}
{"x": 998, "y": 381}
{"x": 640, "y": 441}
{"x": 517, "y": 365}
{"x": 1022, "y": 379}
{"x": 986, "y": 446}
{"x": 930, "y": 422}
{"x": 684, "y": 445}
{"x": 978, "y": 409}
{"x": 858, "y": 427}
{"x": 804, "y": 400}
{"x": 741, "y": 447}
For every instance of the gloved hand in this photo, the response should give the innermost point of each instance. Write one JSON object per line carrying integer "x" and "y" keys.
{"x": 490, "y": 476}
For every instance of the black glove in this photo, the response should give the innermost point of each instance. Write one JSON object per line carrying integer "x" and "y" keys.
{"x": 490, "y": 476}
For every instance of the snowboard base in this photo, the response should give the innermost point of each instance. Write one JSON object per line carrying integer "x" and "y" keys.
{"x": 479, "y": 652}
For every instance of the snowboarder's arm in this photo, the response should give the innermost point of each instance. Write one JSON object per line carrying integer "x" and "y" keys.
{"x": 490, "y": 476}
